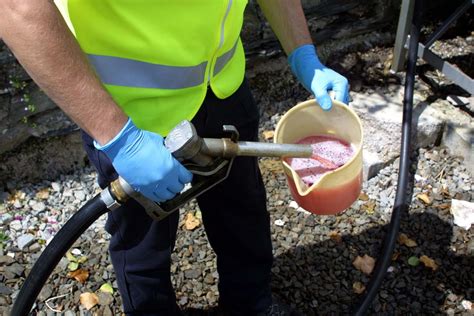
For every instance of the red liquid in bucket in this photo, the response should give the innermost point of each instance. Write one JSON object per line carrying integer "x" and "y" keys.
{"x": 329, "y": 153}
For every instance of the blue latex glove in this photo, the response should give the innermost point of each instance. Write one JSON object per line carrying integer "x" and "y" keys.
{"x": 317, "y": 78}
{"x": 141, "y": 158}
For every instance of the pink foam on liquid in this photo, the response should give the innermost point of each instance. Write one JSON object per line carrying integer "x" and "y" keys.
{"x": 333, "y": 149}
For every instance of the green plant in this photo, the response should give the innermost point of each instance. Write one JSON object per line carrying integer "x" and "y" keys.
{"x": 31, "y": 107}
{"x": 18, "y": 84}
{"x": 3, "y": 239}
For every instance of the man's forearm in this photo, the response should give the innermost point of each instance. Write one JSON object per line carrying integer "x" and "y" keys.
{"x": 286, "y": 17}
{"x": 42, "y": 43}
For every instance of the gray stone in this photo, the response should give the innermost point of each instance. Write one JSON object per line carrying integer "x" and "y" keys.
{"x": 46, "y": 292}
{"x": 25, "y": 240}
{"x": 6, "y": 260}
{"x": 5, "y": 290}
{"x": 209, "y": 279}
{"x": 56, "y": 187}
{"x": 192, "y": 274}
{"x": 80, "y": 195}
{"x": 34, "y": 247}
{"x": 3, "y": 300}
{"x": 105, "y": 298}
{"x": 381, "y": 117}
{"x": 107, "y": 311}
{"x": 16, "y": 225}
{"x": 5, "y": 218}
{"x": 39, "y": 206}
{"x": 458, "y": 133}
{"x": 13, "y": 270}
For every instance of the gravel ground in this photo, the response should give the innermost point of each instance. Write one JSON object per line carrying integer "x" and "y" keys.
{"x": 314, "y": 255}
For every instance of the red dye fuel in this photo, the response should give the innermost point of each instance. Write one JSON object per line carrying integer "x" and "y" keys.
{"x": 329, "y": 153}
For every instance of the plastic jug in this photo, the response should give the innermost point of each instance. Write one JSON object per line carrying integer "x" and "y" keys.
{"x": 339, "y": 188}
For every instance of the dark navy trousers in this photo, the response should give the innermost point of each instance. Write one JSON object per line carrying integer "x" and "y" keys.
{"x": 234, "y": 215}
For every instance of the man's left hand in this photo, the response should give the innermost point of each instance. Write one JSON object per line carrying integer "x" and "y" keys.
{"x": 317, "y": 78}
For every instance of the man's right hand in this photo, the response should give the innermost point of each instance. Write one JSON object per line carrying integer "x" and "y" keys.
{"x": 141, "y": 158}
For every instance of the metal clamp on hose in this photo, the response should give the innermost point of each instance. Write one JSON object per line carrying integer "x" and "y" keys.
{"x": 109, "y": 201}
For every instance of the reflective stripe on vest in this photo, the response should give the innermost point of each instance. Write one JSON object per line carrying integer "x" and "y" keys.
{"x": 120, "y": 71}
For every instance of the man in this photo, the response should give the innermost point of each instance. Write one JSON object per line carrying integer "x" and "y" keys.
{"x": 126, "y": 72}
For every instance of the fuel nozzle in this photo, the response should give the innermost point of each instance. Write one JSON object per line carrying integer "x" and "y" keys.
{"x": 185, "y": 145}
{"x": 209, "y": 159}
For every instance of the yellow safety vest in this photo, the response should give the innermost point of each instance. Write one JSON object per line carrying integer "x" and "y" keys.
{"x": 157, "y": 57}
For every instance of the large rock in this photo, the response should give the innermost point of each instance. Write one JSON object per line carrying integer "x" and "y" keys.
{"x": 43, "y": 158}
{"x": 458, "y": 133}
{"x": 381, "y": 115}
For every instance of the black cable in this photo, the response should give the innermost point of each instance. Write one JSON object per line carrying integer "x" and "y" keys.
{"x": 401, "y": 204}
{"x": 55, "y": 250}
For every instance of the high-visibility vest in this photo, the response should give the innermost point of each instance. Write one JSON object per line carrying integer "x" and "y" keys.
{"x": 157, "y": 57}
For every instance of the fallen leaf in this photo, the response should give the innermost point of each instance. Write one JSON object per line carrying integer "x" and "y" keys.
{"x": 365, "y": 264}
{"x": 198, "y": 215}
{"x": 395, "y": 256}
{"x": 82, "y": 259}
{"x": 445, "y": 192}
{"x": 443, "y": 206}
{"x": 80, "y": 275}
{"x": 336, "y": 236}
{"x": 72, "y": 266}
{"x": 428, "y": 262}
{"x": 70, "y": 257}
{"x": 413, "y": 261}
{"x": 369, "y": 207}
{"x": 107, "y": 288}
{"x": 363, "y": 196}
{"x": 191, "y": 222}
{"x": 268, "y": 134}
{"x": 88, "y": 300}
{"x": 404, "y": 240}
{"x": 424, "y": 197}
{"x": 358, "y": 287}
{"x": 42, "y": 194}
{"x": 16, "y": 196}
{"x": 388, "y": 65}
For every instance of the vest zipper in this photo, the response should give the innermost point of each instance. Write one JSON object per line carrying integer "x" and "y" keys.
{"x": 221, "y": 42}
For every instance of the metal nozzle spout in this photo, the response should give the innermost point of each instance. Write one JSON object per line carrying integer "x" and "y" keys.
{"x": 226, "y": 148}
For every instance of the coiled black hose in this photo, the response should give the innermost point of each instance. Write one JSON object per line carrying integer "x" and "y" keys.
{"x": 401, "y": 203}
{"x": 56, "y": 249}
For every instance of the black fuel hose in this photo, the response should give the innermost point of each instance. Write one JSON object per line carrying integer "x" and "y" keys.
{"x": 53, "y": 253}
{"x": 401, "y": 203}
